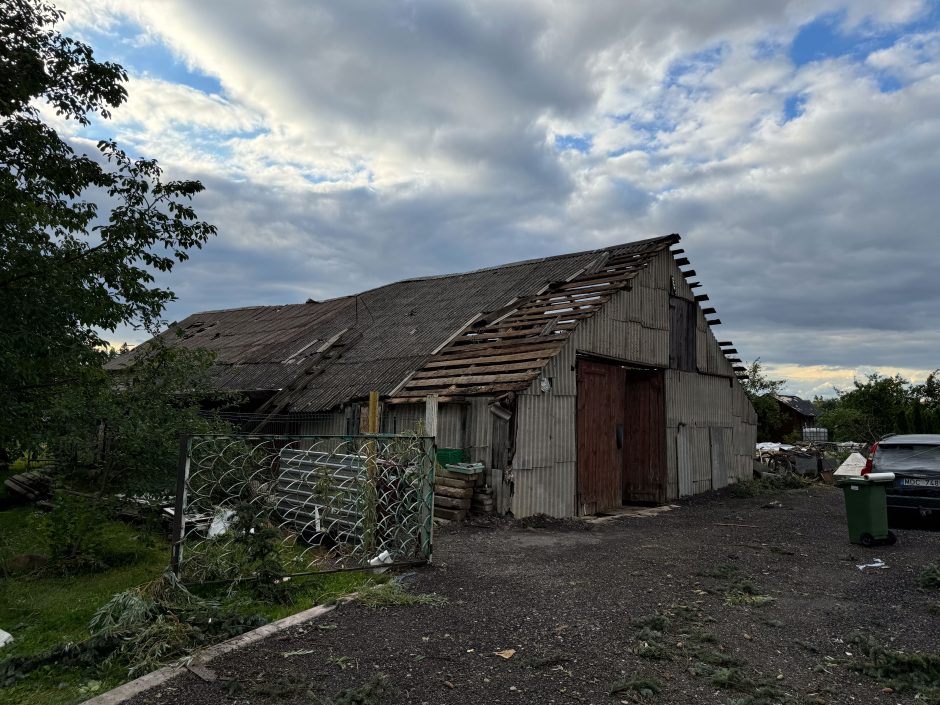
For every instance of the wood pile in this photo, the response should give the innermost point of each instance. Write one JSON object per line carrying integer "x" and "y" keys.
{"x": 453, "y": 494}
{"x": 459, "y": 490}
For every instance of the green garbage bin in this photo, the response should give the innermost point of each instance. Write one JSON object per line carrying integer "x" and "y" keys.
{"x": 866, "y": 508}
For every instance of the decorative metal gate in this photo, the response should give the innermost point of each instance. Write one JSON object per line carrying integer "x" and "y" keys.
{"x": 306, "y": 503}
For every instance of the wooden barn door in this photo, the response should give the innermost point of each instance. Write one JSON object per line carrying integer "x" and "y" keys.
{"x": 644, "y": 454}
{"x": 600, "y": 436}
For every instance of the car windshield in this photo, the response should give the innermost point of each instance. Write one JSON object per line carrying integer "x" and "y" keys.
{"x": 901, "y": 457}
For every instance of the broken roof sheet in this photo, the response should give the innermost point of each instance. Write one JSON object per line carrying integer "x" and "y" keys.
{"x": 450, "y": 334}
{"x": 801, "y": 406}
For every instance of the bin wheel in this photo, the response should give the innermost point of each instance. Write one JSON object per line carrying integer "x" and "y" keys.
{"x": 867, "y": 540}
{"x": 892, "y": 538}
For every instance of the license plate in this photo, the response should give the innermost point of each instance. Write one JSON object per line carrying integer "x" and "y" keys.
{"x": 914, "y": 482}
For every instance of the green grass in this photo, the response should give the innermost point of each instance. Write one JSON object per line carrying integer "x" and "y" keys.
{"x": 46, "y": 610}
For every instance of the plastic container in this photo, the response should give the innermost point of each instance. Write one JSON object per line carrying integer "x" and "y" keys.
{"x": 866, "y": 509}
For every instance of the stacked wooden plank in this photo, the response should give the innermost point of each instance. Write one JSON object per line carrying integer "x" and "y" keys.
{"x": 454, "y": 489}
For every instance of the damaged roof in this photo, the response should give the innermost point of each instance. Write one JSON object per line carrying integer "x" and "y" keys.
{"x": 801, "y": 406}
{"x": 482, "y": 332}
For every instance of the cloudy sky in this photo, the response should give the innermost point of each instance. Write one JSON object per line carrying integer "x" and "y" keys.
{"x": 794, "y": 144}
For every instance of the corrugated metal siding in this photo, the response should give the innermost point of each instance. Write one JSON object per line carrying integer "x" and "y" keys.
{"x": 402, "y": 418}
{"x": 479, "y": 431}
{"x": 545, "y": 431}
{"x": 699, "y": 408}
{"x": 451, "y": 426}
{"x": 332, "y": 424}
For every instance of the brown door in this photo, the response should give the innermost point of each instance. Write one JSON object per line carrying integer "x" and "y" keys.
{"x": 644, "y": 452}
{"x": 600, "y": 436}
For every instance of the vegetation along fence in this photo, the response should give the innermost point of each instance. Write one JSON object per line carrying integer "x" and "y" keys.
{"x": 269, "y": 507}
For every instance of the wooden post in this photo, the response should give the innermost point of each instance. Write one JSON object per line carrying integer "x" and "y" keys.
{"x": 430, "y": 416}
{"x": 373, "y": 424}
{"x": 370, "y": 514}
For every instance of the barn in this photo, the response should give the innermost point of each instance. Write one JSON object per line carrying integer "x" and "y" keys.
{"x": 582, "y": 382}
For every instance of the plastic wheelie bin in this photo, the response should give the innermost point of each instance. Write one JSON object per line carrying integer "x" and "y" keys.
{"x": 866, "y": 508}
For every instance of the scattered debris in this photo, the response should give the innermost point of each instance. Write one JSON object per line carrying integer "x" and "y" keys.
{"x": 506, "y": 653}
{"x": 298, "y": 652}
{"x": 645, "y": 687}
{"x": 929, "y": 579}
{"x": 5, "y": 638}
{"x": 877, "y": 563}
{"x": 772, "y": 505}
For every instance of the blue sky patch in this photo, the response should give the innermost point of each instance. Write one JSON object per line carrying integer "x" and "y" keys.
{"x": 154, "y": 59}
{"x": 579, "y": 143}
{"x": 826, "y": 36}
{"x": 793, "y": 107}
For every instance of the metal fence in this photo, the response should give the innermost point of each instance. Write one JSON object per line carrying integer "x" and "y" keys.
{"x": 303, "y": 504}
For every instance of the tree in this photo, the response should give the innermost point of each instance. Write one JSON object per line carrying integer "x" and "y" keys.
{"x": 762, "y": 392}
{"x": 123, "y": 433}
{"x": 872, "y": 409}
{"x": 81, "y": 237}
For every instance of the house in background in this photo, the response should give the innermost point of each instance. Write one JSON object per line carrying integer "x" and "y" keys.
{"x": 796, "y": 414}
{"x": 582, "y": 381}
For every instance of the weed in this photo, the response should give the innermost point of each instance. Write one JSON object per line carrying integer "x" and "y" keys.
{"x": 656, "y": 623}
{"x": 744, "y": 592}
{"x": 903, "y": 671}
{"x": 343, "y": 662}
{"x": 373, "y": 692}
{"x": 393, "y": 593}
{"x": 645, "y": 687}
{"x": 929, "y": 578}
{"x": 654, "y": 650}
{"x": 768, "y": 484}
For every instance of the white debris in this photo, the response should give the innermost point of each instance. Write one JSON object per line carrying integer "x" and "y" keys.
{"x": 877, "y": 563}
{"x": 852, "y": 466}
{"x": 5, "y": 638}
{"x": 220, "y": 522}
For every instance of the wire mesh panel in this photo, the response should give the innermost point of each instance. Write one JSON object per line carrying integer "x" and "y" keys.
{"x": 251, "y": 505}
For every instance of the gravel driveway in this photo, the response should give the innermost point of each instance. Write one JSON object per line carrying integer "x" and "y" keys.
{"x": 717, "y": 601}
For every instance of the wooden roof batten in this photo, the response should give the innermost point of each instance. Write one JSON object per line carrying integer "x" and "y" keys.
{"x": 504, "y": 350}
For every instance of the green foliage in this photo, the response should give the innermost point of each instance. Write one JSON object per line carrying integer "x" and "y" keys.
{"x": 373, "y": 692}
{"x": 904, "y": 672}
{"x": 644, "y": 687}
{"x": 768, "y": 483}
{"x": 73, "y": 534}
{"x": 121, "y": 433}
{"x": 81, "y": 237}
{"x": 393, "y": 593}
{"x": 929, "y": 578}
{"x": 761, "y": 390}
{"x": 879, "y": 406}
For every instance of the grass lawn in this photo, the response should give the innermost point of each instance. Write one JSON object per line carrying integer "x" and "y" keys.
{"x": 41, "y": 612}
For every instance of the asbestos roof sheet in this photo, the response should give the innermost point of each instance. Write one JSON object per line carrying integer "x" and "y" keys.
{"x": 321, "y": 354}
{"x": 801, "y": 406}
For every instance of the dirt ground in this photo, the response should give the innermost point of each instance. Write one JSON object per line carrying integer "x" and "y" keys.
{"x": 664, "y": 609}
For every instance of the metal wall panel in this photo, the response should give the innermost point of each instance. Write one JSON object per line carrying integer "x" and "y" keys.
{"x": 451, "y": 429}
{"x": 701, "y": 408}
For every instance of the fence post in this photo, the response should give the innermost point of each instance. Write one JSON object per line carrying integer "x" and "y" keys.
{"x": 179, "y": 522}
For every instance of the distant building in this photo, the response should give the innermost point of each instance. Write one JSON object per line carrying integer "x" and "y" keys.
{"x": 581, "y": 382}
{"x": 795, "y": 415}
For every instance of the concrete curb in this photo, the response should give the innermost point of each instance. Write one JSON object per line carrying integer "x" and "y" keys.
{"x": 151, "y": 680}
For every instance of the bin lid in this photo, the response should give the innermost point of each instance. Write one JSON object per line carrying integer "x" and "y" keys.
{"x": 871, "y": 478}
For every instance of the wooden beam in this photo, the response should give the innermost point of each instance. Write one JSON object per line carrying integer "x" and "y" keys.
{"x": 682, "y": 261}
{"x": 677, "y": 251}
{"x": 724, "y": 343}
{"x": 688, "y": 273}
{"x": 714, "y": 322}
{"x": 709, "y": 311}
{"x": 695, "y": 285}
{"x": 373, "y": 426}
{"x": 702, "y": 297}
{"x": 729, "y": 351}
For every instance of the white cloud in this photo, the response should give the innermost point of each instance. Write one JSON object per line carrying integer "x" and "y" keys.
{"x": 356, "y": 143}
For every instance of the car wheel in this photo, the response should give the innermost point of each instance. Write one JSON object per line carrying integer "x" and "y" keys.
{"x": 867, "y": 540}
{"x": 892, "y": 538}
